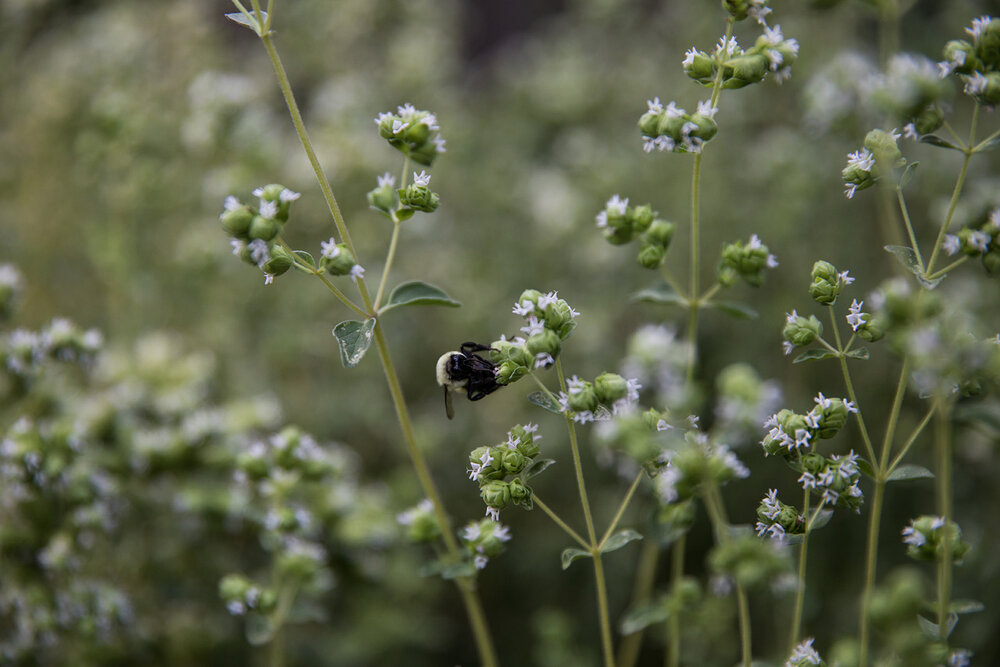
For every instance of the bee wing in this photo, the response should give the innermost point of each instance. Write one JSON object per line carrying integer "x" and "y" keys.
{"x": 448, "y": 408}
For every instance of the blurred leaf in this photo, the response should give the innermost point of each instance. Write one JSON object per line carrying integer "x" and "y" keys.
{"x": 910, "y": 471}
{"x": 857, "y": 353}
{"x": 933, "y": 630}
{"x": 908, "y": 258}
{"x": 418, "y": 293}
{"x": 458, "y": 570}
{"x": 987, "y": 145}
{"x": 544, "y": 401}
{"x": 354, "y": 337}
{"x": 643, "y": 616}
{"x": 935, "y": 140}
{"x": 966, "y": 606}
{"x": 821, "y": 519}
{"x": 814, "y": 355}
{"x": 536, "y": 467}
{"x": 737, "y": 310}
{"x": 866, "y": 468}
{"x": 907, "y": 174}
{"x": 306, "y": 259}
{"x": 307, "y": 611}
{"x": 571, "y": 554}
{"x": 620, "y": 539}
{"x": 248, "y": 21}
{"x": 259, "y": 629}
{"x": 660, "y": 293}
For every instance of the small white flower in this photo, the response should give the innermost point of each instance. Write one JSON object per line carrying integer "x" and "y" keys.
{"x": 976, "y": 83}
{"x": 979, "y": 241}
{"x": 523, "y": 308}
{"x": 543, "y": 360}
{"x": 480, "y": 561}
{"x": 730, "y": 47}
{"x": 357, "y": 272}
{"x": 618, "y": 204}
{"x": 654, "y": 105}
{"x": 545, "y": 300}
{"x": 329, "y": 248}
{"x": 844, "y": 278}
{"x": 772, "y": 261}
{"x": 791, "y": 317}
{"x": 382, "y": 116}
{"x": 706, "y": 109}
{"x": 287, "y": 195}
{"x": 430, "y": 120}
{"x": 493, "y": 513}
{"x": 439, "y": 144}
{"x": 501, "y": 532}
{"x": 910, "y": 131}
{"x": 951, "y": 244}
{"x": 386, "y": 179}
{"x": 423, "y": 178}
{"x": 804, "y": 654}
{"x": 398, "y": 126}
{"x": 849, "y": 190}
{"x": 259, "y": 252}
{"x": 822, "y": 401}
{"x": 662, "y": 424}
{"x": 472, "y": 532}
{"x": 787, "y": 347}
{"x": 673, "y": 111}
{"x": 602, "y": 217}
{"x": 231, "y": 204}
{"x": 863, "y": 159}
{"x": 856, "y": 318}
{"x": 268, "y": 278}
{"x": 237, "y": 246}
{"x": 689, "y": 57}
{"x": 533, "y": 327}
{"x": 913, "y": 537}
{"x": 406, "y": 109}
{"x": 575, "y": 385}
{"x": 807, "y": 480}
{"x": 978, "y": 25}
{"x": 268, "y": 209}
{"x": 850, "y": 407}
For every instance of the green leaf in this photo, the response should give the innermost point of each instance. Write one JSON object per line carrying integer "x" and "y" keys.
{"x": 571, "y": 554}
{"x": 304, "y": 258}
{"x": 536, "y": 467}
{"x": 908, "y": 258}
{"x": 935, "y": 140}
{"x": 857, "y": 353}
{"x": 987, "y": 145}
{"x": 866, "y": 468}
{"x": 966, "y": 606}
{"x": 814, "y": 355}
{"x": 643, "y": 616}
{"x": 620, "y": 539}
{"x": 544, "y": 401}
{"x": 738, "y": 310}
{"x": 458, "y": 570}
{"x": 821, "y": 520}
{"x": 354, "y": 337}
{"x": 660, "y": 293}
{"x": 933, "y": 630}
{"x": 248, "y": 21}
{"x": 909, "y": 471}
{"x": 907, "y": 174}
{"x": 418, "y": 293}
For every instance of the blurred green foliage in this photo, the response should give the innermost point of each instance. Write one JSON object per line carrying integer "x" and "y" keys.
{"x": 125, "y": 124}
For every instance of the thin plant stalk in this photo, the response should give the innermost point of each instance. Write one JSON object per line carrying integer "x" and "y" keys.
{"x": 942, "y": 442}
{"x": 800, "y": 590}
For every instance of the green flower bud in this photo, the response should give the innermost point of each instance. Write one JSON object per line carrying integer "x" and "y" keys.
{"x": 263, "y": 228}
{"x": 418, "y": 197}
{"x": 495, "y": 494}
{"x": 583, "y": 399}
{"x": 927, "y": 537}
{"x": 422, "y": 525}
{"x": 618, "y": 235}
{"x": 531, "y": 296}
{"x": 520, "y": 492}
{"x": 872, "y": 331}
{"x": 738, "y": 9}
{"x": 545, "y": 342}
{"x": 660, "y": 233}
{"x": 744, "y": 70}
{"x": 280, "y": 195}
{"x": 813, "y": 463}
{"x": 525, "y": 441}
{"x": 508, "y": 372}
{"x": 991, "y": 261}
{"x": 416, "y": 134}
{"x": 237, "y": 222}
{"x": 281, "y": 260}
{"x": 700, "y": 66}
{"x": 670, "y": 126}
{"x": 823, "y": 270}
{"x": 929, "y": 120}
{"x": 640, "y": 217}
{"x": 650, "y": 256}
{"x": 513, "y": 462}
{"x": 988, "y": 44}
{"x": 883, "y": 146}
{"x": 706, "y": 127}
{"x": 610, "y": 387}
{"x": 960, "y": 51}
{"x": 234, "y": 587}
{"x": 727, "y": 275}
{"x": 383, "y": 198}
{"x": 649, "y": 123}
{"x": 800, "y": 331}
{"x": 559, "y": 318}
{"x": 488, "y": 472}
{"x": 986, "y": 88}
{"x": 832, "y": 419}
{"x": 339, "y": 261}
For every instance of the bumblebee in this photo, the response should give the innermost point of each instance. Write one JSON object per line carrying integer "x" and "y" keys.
{"x": 465, "y": 372}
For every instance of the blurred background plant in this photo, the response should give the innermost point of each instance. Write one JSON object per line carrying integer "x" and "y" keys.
{"x": 124, "y": 125}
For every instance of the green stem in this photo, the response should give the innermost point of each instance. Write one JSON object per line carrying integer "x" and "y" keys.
{"x": 709, "y": 293}
{"x": 674, "y": 622}
{"x": 602, "y": 593}
{"x": 343, "y": 298}
{"x": 559, "y": 522}
{"x": 955, "y": 192}
{"x": 913, "y": 438}
{"x": 897, "y": 403}
{"x": 621, "y": 508}
{"x": 942, "y": 438}
{"x": 645, "y": 576}
{"x": 800, "y": 593}
{"x": 871, "y": 561}
{"x": 909, "y": 228}
{"x": 850, "y": 389}
{"x": 388, "y": 264}
{"x": 940, "y": 272}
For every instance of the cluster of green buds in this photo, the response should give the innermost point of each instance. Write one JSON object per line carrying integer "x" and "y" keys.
{"x": 745, "y": 261}
{"x": 790, "y": 432}
{"x": 502, "y": 470}
{"x": 414, "y": 197}
{"x": 621, "y": 223}
{"x": 750, "y": 562}
{"x": 609, "y": 394}
{"x": 800, "y": 331}
{"x": 673, "y": 129}
{"x": 409, "y": 131}
{"x": 911, "y": 90}
{"x": 977, "y": 62}
{"x": 772, "y": 53}
{"x": 741, "y": 9}
{"x": 241, "y": 595}
{"x": 879, "y": 155}
{"x": 681, "y": 471}
{"x": 983, "y": 241}
{"x": 421, "y": 522}
{"x": 827, "y": 282}
{"x": 484, "y": 539}
{"x": 864, "y": 325}
{"x": 927, "y": 538}
{"x": 255, "y": 229}
{"x": 288, "y": 458}
{"x": 23, "y": 352}
{"x": 338, "y": 260}
{"x": 776, "y": 519}
{"x": 550, "y": 321}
